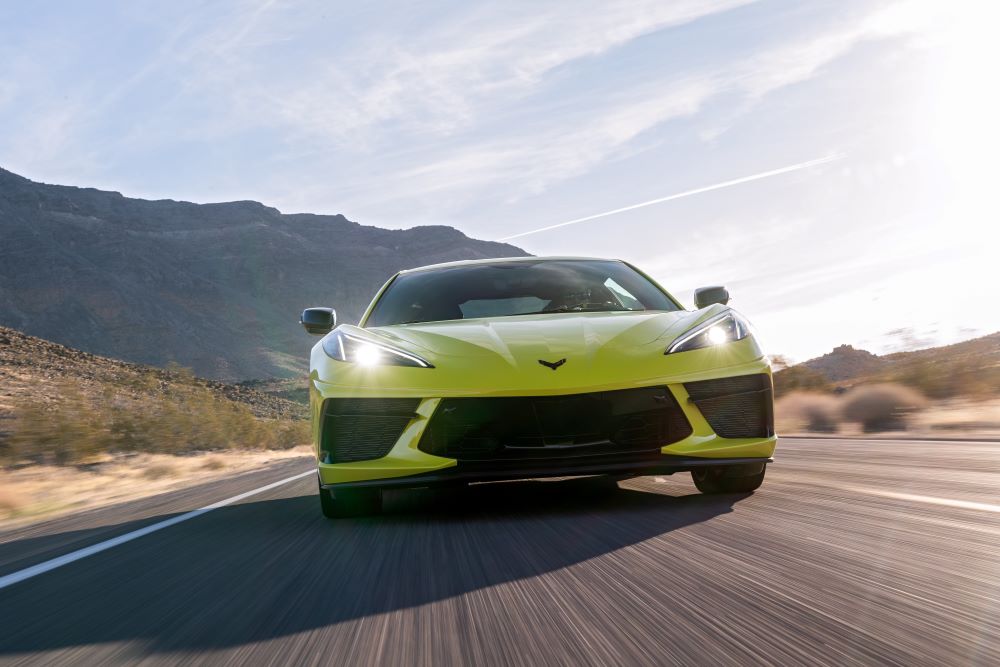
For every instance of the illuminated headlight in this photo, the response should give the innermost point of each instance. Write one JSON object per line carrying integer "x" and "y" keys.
{"x": 355, "y": 350}
{"x": 726, "y": 328}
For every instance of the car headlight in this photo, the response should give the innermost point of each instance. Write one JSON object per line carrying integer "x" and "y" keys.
{"x": 725, "y": 328}
{"x": 355, "y": 350}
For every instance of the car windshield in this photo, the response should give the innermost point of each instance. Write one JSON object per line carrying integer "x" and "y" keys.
{"x": 516, "y": 288}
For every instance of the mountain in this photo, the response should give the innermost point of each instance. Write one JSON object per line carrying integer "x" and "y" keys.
{"x": 214, "y": 287}
{"x": 845, "y": 362}
{"x": 969, "y": 368}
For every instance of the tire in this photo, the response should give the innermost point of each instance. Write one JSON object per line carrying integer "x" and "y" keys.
{"x": 350, "y": 502}
{"x": 727, "y": 480}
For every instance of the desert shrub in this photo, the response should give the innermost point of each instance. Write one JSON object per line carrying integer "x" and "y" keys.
{"x": 11, "y": 503}
{"x": 73, "y": 427}
{"x": 213, "y": 463}
{"x": 159, "y": 471}
{"x": 799, "y": 378}
{"x": 74, "y": 432}
{"x": 812, "y": 412}
{"x": 948, "y": 378}
{"x": 881, "y": 407}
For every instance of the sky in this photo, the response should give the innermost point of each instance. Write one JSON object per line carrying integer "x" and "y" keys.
{"x": 506, "y": 117}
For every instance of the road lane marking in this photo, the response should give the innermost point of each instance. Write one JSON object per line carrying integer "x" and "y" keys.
{"x": 66, "y": 559}
{"x": 932, "y": 500}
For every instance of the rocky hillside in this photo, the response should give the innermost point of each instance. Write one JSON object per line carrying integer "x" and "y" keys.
{"x": 33, "y": 370}
{"x": 845, "y": 362}
{"x": 214, "y": 287}
{"x": 969, "y": 368}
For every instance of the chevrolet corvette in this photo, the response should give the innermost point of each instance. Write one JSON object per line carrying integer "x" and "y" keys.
{"x": 535, "y": 367}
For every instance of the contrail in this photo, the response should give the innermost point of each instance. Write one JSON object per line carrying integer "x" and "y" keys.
{"x": 686, "y": 193}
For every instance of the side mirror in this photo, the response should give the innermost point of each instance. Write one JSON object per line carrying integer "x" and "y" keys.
{"x": 318, "y": 320}
{"x": 706, "y": 296}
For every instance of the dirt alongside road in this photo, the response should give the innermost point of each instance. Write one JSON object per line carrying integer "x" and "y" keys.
{"x": 41, "y": 492}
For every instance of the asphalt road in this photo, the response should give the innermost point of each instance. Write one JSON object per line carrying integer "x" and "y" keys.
{"x": 853, "y": 552}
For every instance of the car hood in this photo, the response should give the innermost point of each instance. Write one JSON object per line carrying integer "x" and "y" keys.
{"x": 500, "y": 356}
{"x": 524, "y": 339}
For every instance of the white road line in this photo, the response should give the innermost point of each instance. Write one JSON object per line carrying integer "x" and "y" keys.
{"x": 932, "y": 500}
{"x": 66, "y": 559}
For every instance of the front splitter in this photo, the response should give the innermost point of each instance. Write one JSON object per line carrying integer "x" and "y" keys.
{"x": 481, "y": 472}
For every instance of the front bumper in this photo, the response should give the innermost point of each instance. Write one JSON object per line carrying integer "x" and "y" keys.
{"x": 406, "y": 465}
{"x": 661, "y": 465}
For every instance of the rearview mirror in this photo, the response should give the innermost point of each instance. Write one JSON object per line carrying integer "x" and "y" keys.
{"x": 706, "y": 296}
{"x": 318, "y": 320}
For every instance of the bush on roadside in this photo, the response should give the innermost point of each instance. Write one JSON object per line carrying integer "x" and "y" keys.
{"x": 159, "y": 471}
{"x": 811, "y": 412}
{"x": 967, "y": 376}
{"x": 799, "y": 379}
{"x": 10, "y": 503}
{"x": 881, "y": 407}
{"x": 73, "y": 427}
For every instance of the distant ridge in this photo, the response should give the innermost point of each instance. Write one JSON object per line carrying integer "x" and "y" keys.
{"x": 968, "y": 368}
{"x": 214, "y": 287}
{"x": 845, "y": 362}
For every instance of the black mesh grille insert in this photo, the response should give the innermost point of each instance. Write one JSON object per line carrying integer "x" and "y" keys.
{"x": 736, "y": 407}
{"x": 539, "y": 427}
{"x": 359, "y": 429}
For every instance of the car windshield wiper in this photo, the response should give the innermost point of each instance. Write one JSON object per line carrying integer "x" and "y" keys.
{"x": 587, "y": 308}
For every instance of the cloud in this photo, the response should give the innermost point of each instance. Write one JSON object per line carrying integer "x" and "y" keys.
{"x": 439, "y": 80}
{"x": 520, "y": 161}
{"x": 444, "y": 107}
{"x": 530, "y": 164}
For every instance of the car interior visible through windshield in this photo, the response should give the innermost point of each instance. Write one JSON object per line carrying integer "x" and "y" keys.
{"x": 516, "y": 288}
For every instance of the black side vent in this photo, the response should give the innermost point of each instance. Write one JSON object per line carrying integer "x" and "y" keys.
{"x": 360, "y": 429}
{"x": 736, "y": 407}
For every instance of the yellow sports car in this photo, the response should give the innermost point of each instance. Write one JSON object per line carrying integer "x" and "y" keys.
{"x": 533, "y": 367}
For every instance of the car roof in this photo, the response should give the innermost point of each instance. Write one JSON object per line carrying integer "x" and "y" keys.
{"x": 504, "y": 260}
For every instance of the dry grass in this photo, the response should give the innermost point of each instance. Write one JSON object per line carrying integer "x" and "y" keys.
{"x": 803, "y": 411}
{"x": 159, "y": 471}
{"x": 38, "y": 492}
{"x": 957, "y": 418}
{"x": 213, "y": 463}
{"x": 77, "y": 426}
{"x": 11, "y": 503}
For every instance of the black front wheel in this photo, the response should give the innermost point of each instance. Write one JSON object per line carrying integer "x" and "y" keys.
{"x": 728, "y": 479}
{"x": 350, "y": 502}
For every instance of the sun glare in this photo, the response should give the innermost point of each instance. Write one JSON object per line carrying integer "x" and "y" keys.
{"x": 368, "y": 355}
{"x": 717, "y": 335}
{"x": 964, "y": 108}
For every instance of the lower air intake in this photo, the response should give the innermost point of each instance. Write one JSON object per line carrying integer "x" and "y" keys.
{"x": 736, "y": 407}
{"x": 360, "y": 429}
{"x": 516, "y": 428}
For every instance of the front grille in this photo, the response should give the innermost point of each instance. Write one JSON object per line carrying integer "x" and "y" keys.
{"x": 359, "y": 429}
{"x": 736, "y": 407}
{"x": 555, "y": 427}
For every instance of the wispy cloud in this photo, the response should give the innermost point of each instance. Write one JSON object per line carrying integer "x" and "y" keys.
{"x": 529, "y": 162}
{"x": 439, "y": 108}
{"x": 504, "y": 116}
{"x": 524, "y": 161}
{"x": 439, "y": 80}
